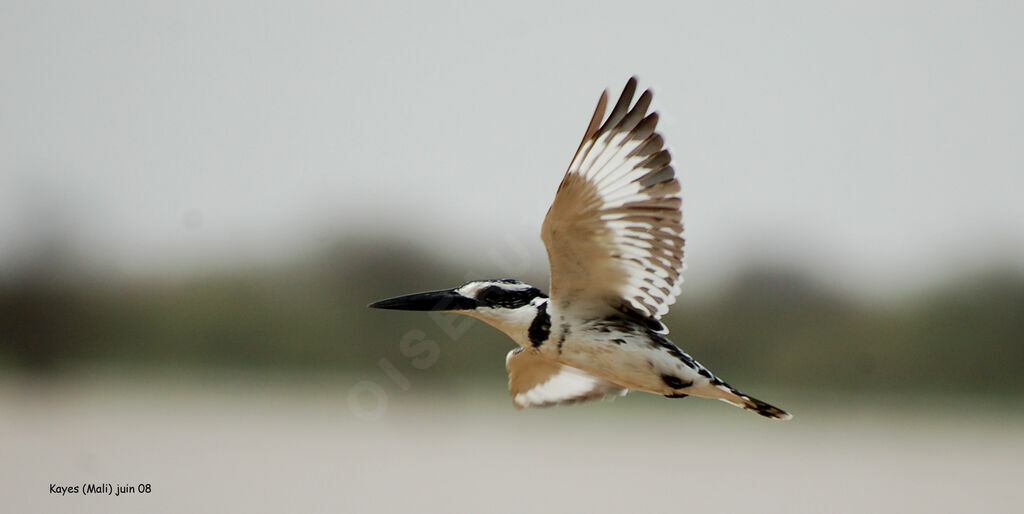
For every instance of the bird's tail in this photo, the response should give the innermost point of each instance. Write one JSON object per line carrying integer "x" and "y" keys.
{"x": 730, "y": 395}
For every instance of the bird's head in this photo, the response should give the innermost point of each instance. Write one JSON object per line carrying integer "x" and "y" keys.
{"x": 508, "y": 305}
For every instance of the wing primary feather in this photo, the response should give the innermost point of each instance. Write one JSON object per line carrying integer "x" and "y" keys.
{"x": 621, "y": 106}
{"x": 595, "y": 120}
{"x": 641, "y": 132}
{"x": 656, "y": 161}
{"x": 622, "y": 131}
{"x": 638, "y": 112}
{"x": 614, "y": 233}
{"x": 657, "y": 176}
{"x": 652, "y": 144}
{"x": 646, "y": 127}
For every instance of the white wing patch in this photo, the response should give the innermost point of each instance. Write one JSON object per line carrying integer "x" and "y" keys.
{"x": 536, "y": 381}
{"x": 614, "y": 232}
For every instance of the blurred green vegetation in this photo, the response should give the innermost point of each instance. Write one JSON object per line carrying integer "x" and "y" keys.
{"x": 766, "y": 327}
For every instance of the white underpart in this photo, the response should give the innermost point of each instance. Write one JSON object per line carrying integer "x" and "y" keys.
{"x": 569, "y": 384}
{"x": 514, "y": 322}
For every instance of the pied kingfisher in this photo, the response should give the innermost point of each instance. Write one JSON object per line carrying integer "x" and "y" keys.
{"x": 614, "y": 237}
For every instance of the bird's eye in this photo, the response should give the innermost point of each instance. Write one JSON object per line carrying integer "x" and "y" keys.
{"x": 495, "y": 296}
{"x": 490, "y": 294}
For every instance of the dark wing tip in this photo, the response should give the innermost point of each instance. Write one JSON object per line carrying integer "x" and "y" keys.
{"x": 621, "y": 106}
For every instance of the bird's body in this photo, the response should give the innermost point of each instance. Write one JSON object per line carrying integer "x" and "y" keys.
{"x": 614, "y": 240}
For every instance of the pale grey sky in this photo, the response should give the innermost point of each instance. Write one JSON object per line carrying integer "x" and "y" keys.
{"x": 876, "y": 143}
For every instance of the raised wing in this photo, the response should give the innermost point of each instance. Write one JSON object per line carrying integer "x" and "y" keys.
{"x": 536, "y": 381}
{"x": 614, "y": 233}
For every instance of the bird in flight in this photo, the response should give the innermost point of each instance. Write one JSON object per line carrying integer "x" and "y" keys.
{"x": 614, "y": 237}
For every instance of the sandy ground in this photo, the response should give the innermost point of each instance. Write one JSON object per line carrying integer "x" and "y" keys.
{"x": 249, "y": 450}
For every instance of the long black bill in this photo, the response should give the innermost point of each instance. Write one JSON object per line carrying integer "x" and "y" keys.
{"x": 447, "y": 300}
